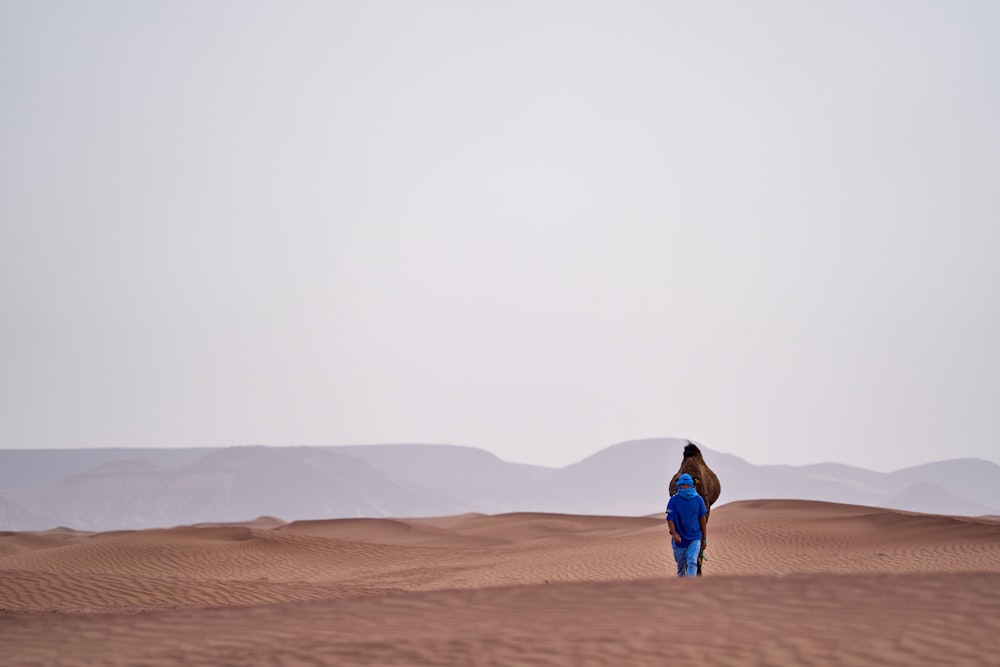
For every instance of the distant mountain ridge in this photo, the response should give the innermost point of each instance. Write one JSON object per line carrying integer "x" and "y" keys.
{"x": 115, "y": 489}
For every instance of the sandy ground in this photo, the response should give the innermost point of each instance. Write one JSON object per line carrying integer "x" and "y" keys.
{"x": 786, "y": 583}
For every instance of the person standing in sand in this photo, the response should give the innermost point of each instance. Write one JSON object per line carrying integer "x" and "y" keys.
{"x": 687, "y": 519}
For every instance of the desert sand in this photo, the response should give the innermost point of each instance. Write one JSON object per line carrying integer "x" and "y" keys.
{"x": 786, "y": 583}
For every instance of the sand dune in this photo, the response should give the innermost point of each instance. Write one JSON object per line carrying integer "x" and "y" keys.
{"x": 788, "y": 582}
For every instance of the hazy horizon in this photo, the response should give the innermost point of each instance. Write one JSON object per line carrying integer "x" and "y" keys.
{"x": 554, "y": 465}
{"x": 535, "y": 228}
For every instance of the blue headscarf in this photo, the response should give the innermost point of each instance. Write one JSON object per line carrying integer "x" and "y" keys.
{"x": 686, "y": 493}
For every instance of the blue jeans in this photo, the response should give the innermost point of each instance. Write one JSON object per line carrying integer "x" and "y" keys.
{"x": 687, "y": 558}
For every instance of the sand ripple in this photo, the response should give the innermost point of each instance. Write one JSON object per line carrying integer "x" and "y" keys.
{"x": 787, "y": 583}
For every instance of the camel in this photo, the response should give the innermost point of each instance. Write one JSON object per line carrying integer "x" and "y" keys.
{"x": 705, "y": 483}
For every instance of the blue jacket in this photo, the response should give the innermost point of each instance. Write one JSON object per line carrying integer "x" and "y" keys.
{"x": 685, "y": 512}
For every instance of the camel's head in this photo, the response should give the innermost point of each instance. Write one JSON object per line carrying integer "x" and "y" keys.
{"x": 691, "y": 449}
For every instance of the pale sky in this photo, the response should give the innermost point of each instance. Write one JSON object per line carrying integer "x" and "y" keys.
{"x": 539, "y": 228}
